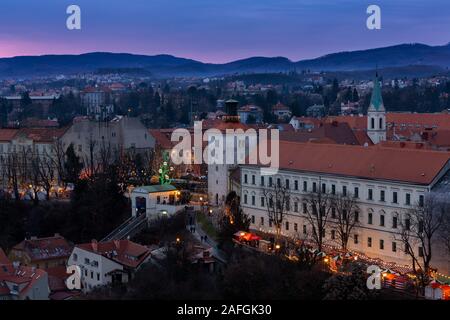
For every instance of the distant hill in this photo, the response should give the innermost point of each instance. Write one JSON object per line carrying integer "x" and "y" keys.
{"x": 414, "y": 57}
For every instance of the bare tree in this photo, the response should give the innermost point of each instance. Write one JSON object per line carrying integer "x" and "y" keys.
{"x": 10, "y": 168}
{"x": 35, "y": 176}
{"x": 59, "y": 160}
{"x": 277, "y": 198}
{"x": 444, "y": 233}
{"x": 47, "y": 173}
{"x": 318, "y": 208}
{"x": 346, "y": 217}
{"x": 418, "y": 231}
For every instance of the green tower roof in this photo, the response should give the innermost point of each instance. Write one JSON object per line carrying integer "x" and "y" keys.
{"x": 376, "y": 102}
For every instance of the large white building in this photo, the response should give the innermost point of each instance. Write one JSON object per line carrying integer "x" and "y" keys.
{"x": 219, "y": 182}
{"x": 120, "y": 133}
{"x": 386, "y": 183}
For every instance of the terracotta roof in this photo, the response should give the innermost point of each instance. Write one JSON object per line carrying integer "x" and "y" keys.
{"x": 410, "y": 120}
{"x": 440, "y": 138}
{"x": 334, "y": 132}
{"x": 441, "y": 120}
{"x": 363, "y": 138}
{"x": 375, "y": 162}
{"x": 355, "y": 122}
{"x": 56, "y": 278}
{"x": 45, "y": 248}
{"x": 279, "y": 106}
{"x": 125, "y": 252}
{"x": 21, "y": 275}
{"x": 3, "y": 258}
{"x": 42, "y": 134}
{"x": 222, "y": 125}
{"x": 162, "y": 138}
{"x": 8, "y": 134}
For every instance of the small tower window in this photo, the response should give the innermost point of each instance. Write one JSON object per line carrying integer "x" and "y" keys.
{"x": 372, "y": 123}
{"x": 381, "y": 123}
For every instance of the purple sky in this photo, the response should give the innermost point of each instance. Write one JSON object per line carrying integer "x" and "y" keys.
{"x": 218, "y": 30}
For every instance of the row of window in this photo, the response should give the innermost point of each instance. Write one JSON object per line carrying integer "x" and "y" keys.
{"x": 92, "y": 274}
{"x": 87, "y": 261}
{"x": 382, "y": 219}
{"x": 333, "y": 235}
{"x": 324, "y": 189}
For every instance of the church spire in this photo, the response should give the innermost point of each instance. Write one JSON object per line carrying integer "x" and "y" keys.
{"x": 376, "y": 101}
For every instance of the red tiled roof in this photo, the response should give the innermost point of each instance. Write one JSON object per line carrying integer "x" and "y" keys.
{"x": 19, "y": 275}
{"x": 128, "y": 253}
{"x": 410, "y": 120}
{"x": 56, "y": 278}
{"x": 362, "y": 137}
{"x": 3, "y": 258}
{"x": 334, "y": 132}
{"x": 222, "y": 125}
{"x": 42, "y": 134}
{"x": 45, "y": 248}
{"x": 355, "y": 122}
{"x": 375, "y": 162}
{"x": 441, "y": 120}
{"x": 162, "y": 138}
{"x": 279, "y": 106}
{"x": 8, "y": 134}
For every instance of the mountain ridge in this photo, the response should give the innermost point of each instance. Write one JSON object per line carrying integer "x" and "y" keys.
{"x": 166, "y": 65}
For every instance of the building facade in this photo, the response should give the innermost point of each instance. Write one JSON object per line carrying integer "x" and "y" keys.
{"x": 110, "y": 262}
{"x": 385, "y": 182}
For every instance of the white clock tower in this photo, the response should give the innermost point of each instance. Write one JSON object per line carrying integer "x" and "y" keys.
{"x": 376, "y": 114}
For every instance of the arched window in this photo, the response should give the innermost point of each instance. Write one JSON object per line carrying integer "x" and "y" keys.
{"x": 372, "y": 123}
{"x": 381, "y": 123}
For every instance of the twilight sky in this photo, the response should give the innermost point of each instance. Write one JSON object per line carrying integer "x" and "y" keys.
{"x": 218, "y": 30}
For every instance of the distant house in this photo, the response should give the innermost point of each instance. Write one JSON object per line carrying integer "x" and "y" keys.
{"x": 282, "y": 112}
{"x": 299, "y": 123}
{"x": 20, "y": 282}
{"x": 42, "y": 101}
{"x": 110, "y": 262}
{"x": 250, "y": 114}
{"x": 97, "y": 101}
{"x": 42, "y": 253}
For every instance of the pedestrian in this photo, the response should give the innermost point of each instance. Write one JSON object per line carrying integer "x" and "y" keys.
{"x": 206, "y": 238}
{"x": 201, "y": 239}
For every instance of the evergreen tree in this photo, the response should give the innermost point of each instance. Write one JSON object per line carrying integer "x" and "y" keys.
{"x": 72, "y": 165}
